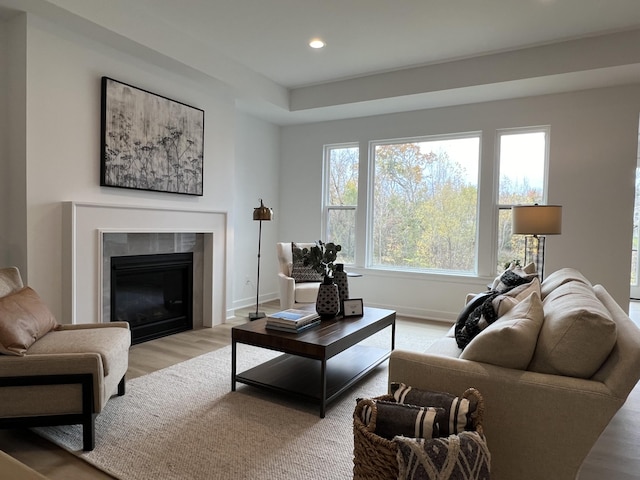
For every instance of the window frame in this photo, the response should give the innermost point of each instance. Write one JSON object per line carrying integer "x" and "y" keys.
{"x": 545, "y": 175}
{"x": 327, "y": 207}
{"x": 371, "y": 170}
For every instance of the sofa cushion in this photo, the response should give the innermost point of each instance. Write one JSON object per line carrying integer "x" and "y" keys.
{"x": 299, "y": 271}
{"x": 511, "y": 340}
{"x": 560, "y": 277}
{"x": 577, "y": 334}
{"x": 112, "y": 343}
{"x": 445, "y": 346}
{"x": 393, "y": 419}
{"x": 24, "y": 318}
{"x": 462, "y": 413}
{"x": 462, "y": 456}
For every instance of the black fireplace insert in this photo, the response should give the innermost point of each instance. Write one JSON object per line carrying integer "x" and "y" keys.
{"x": 154, "y": 293}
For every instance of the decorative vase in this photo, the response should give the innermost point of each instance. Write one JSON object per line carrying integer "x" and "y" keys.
{"x": 341, "y": 280}
{"x": 328, "y": 301}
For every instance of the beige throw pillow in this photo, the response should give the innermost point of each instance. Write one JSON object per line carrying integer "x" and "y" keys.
{"x": 577, "y": 335}
{"x": 505, "y": 302}
{"x": 24, "y": 318}
{"x": 511, "y": 340}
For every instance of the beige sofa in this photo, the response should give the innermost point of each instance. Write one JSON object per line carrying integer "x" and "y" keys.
{"x": 540, "y": 420}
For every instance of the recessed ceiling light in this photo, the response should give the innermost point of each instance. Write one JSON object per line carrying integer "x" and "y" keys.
{"x": 316, "y": 43}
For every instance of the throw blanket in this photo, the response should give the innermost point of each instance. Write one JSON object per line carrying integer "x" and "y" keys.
{"x": 479, "y": 313}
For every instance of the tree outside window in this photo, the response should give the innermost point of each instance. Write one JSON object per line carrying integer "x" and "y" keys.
{"x": 341, "y": 198}
{"x": 425, "y": 204}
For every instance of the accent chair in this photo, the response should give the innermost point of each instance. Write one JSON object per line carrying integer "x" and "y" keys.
{"x": 53, "y": 374}
{"x": 294, "y": 289}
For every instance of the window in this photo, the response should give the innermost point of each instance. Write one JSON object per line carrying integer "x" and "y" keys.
{"x": 341, "y": 197}
{"x": 522, "y": 167}
{"x": 425, "y": 204}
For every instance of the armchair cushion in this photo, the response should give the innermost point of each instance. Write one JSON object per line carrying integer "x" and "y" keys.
{"x": 112, "y": 344}
{"x": 24, "y": 318}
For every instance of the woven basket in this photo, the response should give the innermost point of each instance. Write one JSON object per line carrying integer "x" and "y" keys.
{"x": 374, "y": 457}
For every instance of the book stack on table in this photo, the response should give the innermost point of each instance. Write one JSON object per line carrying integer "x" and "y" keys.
{"x": 292, "y": 320}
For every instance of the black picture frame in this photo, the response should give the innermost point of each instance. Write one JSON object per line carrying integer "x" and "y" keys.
{"x": 150, "y": 142}
{"x": 352, "y": 307}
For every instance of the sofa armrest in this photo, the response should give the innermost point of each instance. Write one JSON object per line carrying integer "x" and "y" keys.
{"x": 287, "y": 291}
{"x": 81, "y": 326}
{"x": 51, "y": 364}
{"x": 58, "y": 364}
{"x": 532, "y": 421}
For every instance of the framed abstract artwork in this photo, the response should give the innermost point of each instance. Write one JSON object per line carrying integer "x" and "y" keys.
{"x": 150, "y": 142}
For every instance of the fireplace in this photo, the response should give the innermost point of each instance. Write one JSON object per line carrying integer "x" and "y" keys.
{"x": 154, "y": 293}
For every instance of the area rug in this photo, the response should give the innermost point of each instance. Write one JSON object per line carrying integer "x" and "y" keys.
{"x": 183, "y": 422}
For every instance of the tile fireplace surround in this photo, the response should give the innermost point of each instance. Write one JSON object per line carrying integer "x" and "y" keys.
{"x": 93, "y": 232}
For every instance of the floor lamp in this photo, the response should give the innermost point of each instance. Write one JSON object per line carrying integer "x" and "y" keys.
{"x": 261, "y": 214}
{"x": 536, "y": 221}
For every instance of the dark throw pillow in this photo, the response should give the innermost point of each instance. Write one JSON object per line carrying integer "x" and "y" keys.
{"x": 461, "y": 413}
{"x": 393, "y": 419}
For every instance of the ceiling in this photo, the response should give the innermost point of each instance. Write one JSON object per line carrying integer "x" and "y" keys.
{"x": 380, "y": 56}
{"x": 368, "y": 36}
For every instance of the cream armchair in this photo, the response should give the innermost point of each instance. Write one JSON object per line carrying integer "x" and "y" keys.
{"x": 292, "y": 292}
{"x": 53, "y": 374}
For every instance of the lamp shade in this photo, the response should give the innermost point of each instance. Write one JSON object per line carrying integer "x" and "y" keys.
{"x": 262, "y": 213}
{"x": 537, "y": 219}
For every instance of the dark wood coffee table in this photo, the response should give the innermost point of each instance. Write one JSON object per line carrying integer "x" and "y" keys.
{"x": 319, "y": 363}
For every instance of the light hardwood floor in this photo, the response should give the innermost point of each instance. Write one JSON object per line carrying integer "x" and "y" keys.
{"x": 614, "y": 456}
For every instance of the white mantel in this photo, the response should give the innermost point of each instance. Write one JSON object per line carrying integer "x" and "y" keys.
{"x": 84, "y": 225}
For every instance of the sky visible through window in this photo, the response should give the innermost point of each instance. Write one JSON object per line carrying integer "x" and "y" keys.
{"x": 522, "y": 157}
{"x": 464, "y": 151}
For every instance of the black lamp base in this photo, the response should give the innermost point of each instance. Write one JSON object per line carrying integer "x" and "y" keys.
{"x": 256, "y": 315}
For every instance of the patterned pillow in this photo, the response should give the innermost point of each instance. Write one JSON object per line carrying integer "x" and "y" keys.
{"x": 393, "y": 419}
{"x": 464, "y": 456}
{"x": 299, "y": 271}
{"x": 514, "y": 275}
{"x": 461, "y": 413}
{"x": 491, "y": 306}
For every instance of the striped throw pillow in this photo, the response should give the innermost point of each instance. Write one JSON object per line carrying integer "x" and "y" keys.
{"x": 460, "y": 412}
{"x": 393, "y": 419}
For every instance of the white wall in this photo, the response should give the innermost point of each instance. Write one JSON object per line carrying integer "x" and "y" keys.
{"x": 257, "y": 177}
{"x": 12, "y": 142}
{"x": 4, "y": 144}
{"x": 63, "y": 132}
{"x": 594, "y": 140}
